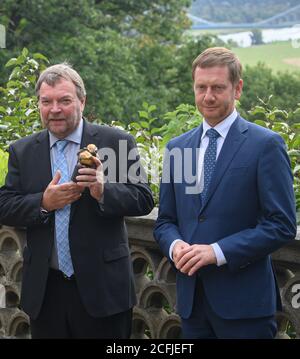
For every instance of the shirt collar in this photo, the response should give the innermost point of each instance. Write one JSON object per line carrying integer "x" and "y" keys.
{"x": 75, "y": 136}
{"x": 222, "y": 127}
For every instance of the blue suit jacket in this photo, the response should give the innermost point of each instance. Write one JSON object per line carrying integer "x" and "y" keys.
{"x": 249, "y": 211}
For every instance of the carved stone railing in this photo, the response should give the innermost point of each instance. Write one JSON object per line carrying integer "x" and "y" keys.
{"x": 13, "y": 322}
{"x": 154, "y": 315}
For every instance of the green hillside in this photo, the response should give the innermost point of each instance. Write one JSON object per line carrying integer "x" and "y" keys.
{"x": 280, "y": 56}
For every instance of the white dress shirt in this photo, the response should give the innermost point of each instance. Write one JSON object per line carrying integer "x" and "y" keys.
{"x": 223, "y": 129}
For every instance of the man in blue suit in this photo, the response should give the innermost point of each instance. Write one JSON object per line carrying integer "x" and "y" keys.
{"x": 220, "y": 230}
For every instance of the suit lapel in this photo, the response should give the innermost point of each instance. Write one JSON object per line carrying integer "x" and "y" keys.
{"x": 42, "y": 151}
{"x": 234, "y": 139}
{"x": 88, "y": 136}
{"x": 194, "y": 144}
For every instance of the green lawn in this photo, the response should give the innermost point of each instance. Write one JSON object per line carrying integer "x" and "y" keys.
{"x": 274, "y": 55}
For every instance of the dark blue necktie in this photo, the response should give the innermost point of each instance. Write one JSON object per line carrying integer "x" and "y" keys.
{"x": 62, "y": 216}
{"x": 209, "y": 160}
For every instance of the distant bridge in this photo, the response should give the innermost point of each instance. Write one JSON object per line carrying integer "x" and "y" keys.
{"x": 285, "y": 18}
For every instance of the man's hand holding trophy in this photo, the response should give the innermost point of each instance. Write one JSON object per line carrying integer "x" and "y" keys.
{"x": 88, "y": 171}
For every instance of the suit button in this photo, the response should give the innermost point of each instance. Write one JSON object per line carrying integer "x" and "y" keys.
{"x": 201, "y": 218}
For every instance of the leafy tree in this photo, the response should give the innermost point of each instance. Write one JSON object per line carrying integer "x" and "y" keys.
{"x": 162, "y": 20}
{"x": 256, "y": 37}
{"x": 286, "y": 91}
{"x": 260, "y": 82}
{"x": 3, "y": 166}
{"x": 113, "y": 44}
{"x": 19, "y": 115}
{"x": 182, "y": 75}
{"x": 256, "y": 80}
{"x": 279, "y": 121}
{"x": 182, "y": 119}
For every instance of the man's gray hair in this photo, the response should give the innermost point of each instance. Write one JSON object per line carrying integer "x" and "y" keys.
{"x": 53, "y": 74}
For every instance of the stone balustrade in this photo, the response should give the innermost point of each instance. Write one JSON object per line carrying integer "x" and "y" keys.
{"x": 13, "y": 322}
{"x": 154, "y": 316}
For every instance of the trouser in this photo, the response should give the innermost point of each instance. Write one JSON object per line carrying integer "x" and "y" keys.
{"x": 63, "y": 315}
{"x": 204, "y": 323}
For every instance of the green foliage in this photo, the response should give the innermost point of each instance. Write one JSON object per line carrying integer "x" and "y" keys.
{"x": 127, "y": 52}
{"x": 19, "y": 117}
{"x": 149, "y": 142}
{"x": 181, "y": 80}
{"x": 159, "y": 19}
{"x": 183, "y": 119}
{"x": 18, "y": 105}
{"x": 279, "y": 121}
{"x": 260, "y": 82}
{"x": 256, "y": 37}
{"x": 123, "y": 49}
{"x": 151, "y": 138}
{"x": 149, "y": 272}
{"x": 291, "y": 331}
{"x": 3, "y": 166}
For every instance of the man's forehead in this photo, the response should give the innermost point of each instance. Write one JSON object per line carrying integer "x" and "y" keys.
{"x": 212, "y": 69}
{"x": 212, "y": 73}
{"x": 60, "y": 87}
{"x": 59, "y": 84}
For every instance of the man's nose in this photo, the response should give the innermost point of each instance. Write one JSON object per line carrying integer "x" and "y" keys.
{"x": 209, "y": 95}
{"x": 55, "y": 107}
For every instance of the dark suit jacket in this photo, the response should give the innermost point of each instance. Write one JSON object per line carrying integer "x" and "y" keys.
{"x": 249, "y": 211}
{"x": 98, "y": 236}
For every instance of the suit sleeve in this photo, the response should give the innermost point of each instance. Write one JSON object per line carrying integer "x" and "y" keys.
{"x": 131, "y": 194}
{"x": 277, "y": 218}
{"x": 16, "y": 208}
{"x": 166, "y": 229}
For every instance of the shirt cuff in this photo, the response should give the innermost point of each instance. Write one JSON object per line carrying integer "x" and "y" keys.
{"x": 219, "y": 254}
{"x": 171, "y": 248}
{"x": 44, "y": 215}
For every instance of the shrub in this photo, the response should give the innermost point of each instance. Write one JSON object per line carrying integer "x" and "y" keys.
{"x": 3, "y": 166}
{"x": 19, "y": 115}
{"x": 287, "y": 124}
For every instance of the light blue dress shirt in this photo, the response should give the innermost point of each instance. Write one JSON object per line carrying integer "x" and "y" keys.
{"x": 71, "y": 154}
{"x": 71, "y": 149}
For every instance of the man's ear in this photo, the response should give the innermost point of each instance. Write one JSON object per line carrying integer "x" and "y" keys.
{"x": 238, "y": 89}
{"x": 82, "y": 104}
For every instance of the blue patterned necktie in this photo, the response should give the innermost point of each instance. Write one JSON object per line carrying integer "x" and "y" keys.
{"x": 62, "y": 216}
{"x": 209, "y": 160}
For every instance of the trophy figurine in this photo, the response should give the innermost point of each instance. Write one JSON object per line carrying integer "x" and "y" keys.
{"x": 85, "y": 159}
